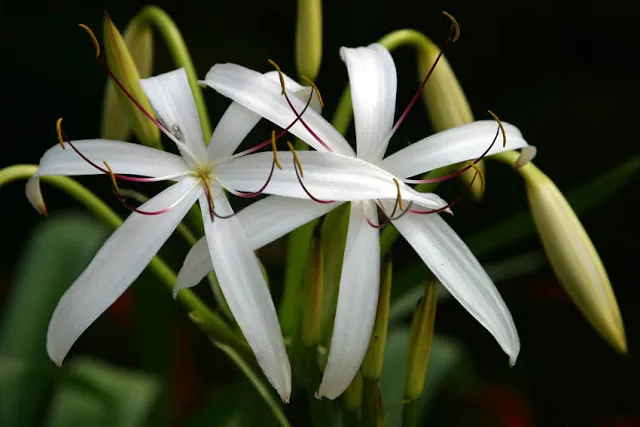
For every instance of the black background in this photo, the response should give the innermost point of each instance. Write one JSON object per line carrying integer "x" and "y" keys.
{"x": 565, "y": 73}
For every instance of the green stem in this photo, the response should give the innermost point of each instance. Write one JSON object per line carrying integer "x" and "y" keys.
{"x": 181, "y": 57}
{"x": 410, "y": 412}
{"x": 216, "y": 327}
{"x": 371, "y": 403}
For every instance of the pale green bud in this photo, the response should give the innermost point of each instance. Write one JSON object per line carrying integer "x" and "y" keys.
{"x": 129, "y": 58}
{"x": 446, "y": 103}
{"x": 309, "y": 38}
{"x": 573, "y": 257}
{"x": 372, "y": 363}
{"x": 421, "y": 337}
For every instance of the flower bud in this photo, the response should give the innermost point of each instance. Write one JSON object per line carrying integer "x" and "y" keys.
{"x": 447, "y": 106}
{"x": 420, "y": 339}
{"x": 312, "y": 312}
{"x": 309, "y": 38}
{"x": 372, "y": 363}
{"x": 573, "y": 257}
{"x": 129, "y": 58}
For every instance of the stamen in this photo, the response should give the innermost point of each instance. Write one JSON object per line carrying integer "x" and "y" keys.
{"x": 93, "y": 38}
{"x": 452, "y": 204}
{"x": 313, "y": 85}
{"x": 278, "y": 135}
{"x": 454, "y": 33}
{"x": 296, "y": 159}
{"x": 455, "y": 26}
{"x": 298, "y": 116}
{"x": 297, "y": 166}
{"x": 59, "y": 132}
{"x": 208, "y": 193}
{"x": 113, "y": 177}
{"x": 480, "y": 174}
{"x": 247, "y": 195}
{"x": 158, "y": 212}
{"x": 280, "y": 75}
{"x": 275, "y": 149}
{"x": 139, "y": 106}
{"x": 399, "y": 198}
{"x": 504, "y": 134}
{"x": 458, "y": 172}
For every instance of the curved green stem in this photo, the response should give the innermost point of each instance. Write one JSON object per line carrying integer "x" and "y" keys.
{"x": 181, "y": 57}
{"x": 215, "y": 326}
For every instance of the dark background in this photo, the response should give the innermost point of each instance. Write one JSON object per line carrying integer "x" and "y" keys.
{"x": 565, "y": 73}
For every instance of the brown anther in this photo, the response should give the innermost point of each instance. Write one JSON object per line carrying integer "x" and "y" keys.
{"x": 275, "y": 150}
{"x": 313, "y": 85}
{"x": 454, "y": 24}
{"x": 399, "y": 194}
{"x": 93, "y": 38}
{"x": 296, "y": 159}
{"x": 113, "y": 176}
{"x": 504, "y": 134}
{"x": 59, "y": 133}
{"x": 280, "y": 75}
{"x": 480, "y": 174}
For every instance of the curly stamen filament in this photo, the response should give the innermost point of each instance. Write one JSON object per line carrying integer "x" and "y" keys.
{"x": 149, "y": 213}
{"x": 148, "y": 115}
{"x": 279, "y": 134}
{"x": 297, "y": 165}
{"x": 65, "y": 139}
{"x": 451, "y": 204}
{"x": 454, "y": 33}
{"x": 458, "y": 172}
{"x": 248, "y": 195}
{"x": 293, "y": 108}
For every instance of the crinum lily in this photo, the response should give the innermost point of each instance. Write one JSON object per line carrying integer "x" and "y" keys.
{"x": 372, "y": 76}
{"x": 130, "y": 248}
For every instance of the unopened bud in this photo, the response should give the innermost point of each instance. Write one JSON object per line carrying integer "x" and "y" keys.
{"x": 573, "y": 257}
{"x": 309, "y": 38}
{"x": 421, "y": 336}
{"x": 129, "y": 58}
{"x": 447, "y": 106}
{"x": 372, "y": 363}
{"x": 313, "y": 290}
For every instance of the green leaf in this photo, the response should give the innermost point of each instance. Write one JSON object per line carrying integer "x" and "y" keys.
{"x": 445, "y": 358}
{"x": 56, "y": 253}
{"x": 125, "y": 398}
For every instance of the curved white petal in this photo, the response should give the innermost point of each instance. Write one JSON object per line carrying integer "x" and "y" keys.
{"x": 357, "y": 301}
{"x": 122, "y": 157}
{"x": 171, "y": 98}
{"x": 262, "y": 95}
{"x": 451, "y": 146}
{"x": 263, "y": 222}
{"x": 246, "y": 292}
{"x": 449, "y": 258}
{"x": 327, "y": 176}
{"x": 373, "y": 80}
{"x": 237, "y": 121}
{"x": 116, "y": 265}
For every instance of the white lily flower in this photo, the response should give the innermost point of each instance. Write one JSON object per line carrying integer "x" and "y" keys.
{"x": 373, "y": 81}
{"x": 130, "y": 248}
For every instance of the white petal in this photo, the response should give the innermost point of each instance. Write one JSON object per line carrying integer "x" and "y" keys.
{"x": 263, "y": 222}
{"x": 449, "y": 258}
{"x": 116, "y": 265}
{"x": 357, "y": 302}
{"x": 372, "y": 76}
{"x": 451, "y": 146}
{"x": 245, "y": 290}
{"x": 237, "y": 121}
{"x": 171, "y": 98}
{"x": 122, "y": 157}
{"x": 327, "y": 176}
{"x": 262, "y": 95}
